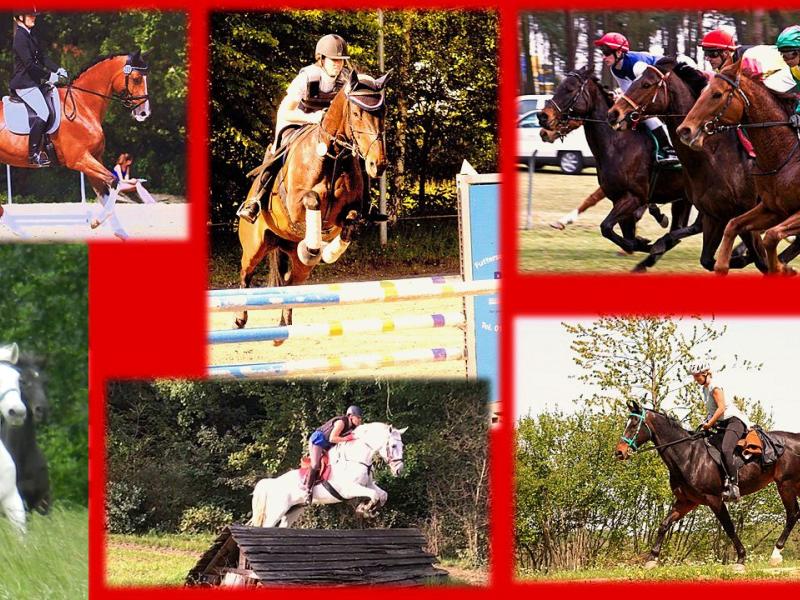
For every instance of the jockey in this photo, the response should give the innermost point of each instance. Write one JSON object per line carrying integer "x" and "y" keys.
{"x": 32, "y": 70}
{"x": 627, "y": 66}
{"x": 307, "y": 97}
{"x": 731, "y": 422}
{"x": 788, "y": 44}
{"x": 334, "y": 431}
{"x": 720, "y": 49}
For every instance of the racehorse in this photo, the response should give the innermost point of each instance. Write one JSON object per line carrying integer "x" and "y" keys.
{"x": 33, "y": 481}
{"x": 312, "y": 212}
{"x": 280, "y": 501}
{"x": 719, "y": 177}
{"x": 13, "y": 412}
{"x": 696, "y": 479}
{"x": 733, "y": 97}
{"x": 625, "y": 160}
{"x": 79, "y": 141}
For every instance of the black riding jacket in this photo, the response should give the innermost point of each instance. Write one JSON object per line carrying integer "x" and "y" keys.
{"x": 31, "y": 67}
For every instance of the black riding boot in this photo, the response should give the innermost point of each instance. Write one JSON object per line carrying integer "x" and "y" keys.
{"x": 666, "y": 152}
{"x": 311, "y": 481}
{"x": 731, "y": 492}
{"x": 251, "y": 208}
{"x": 37, "y": 155}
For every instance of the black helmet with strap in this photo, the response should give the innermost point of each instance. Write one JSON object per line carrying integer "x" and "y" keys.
{"x": 22, "y": 12}
{"x": 354, "y": 411}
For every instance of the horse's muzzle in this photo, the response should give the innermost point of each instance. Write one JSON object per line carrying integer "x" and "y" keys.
{"x": 622, "y": 452}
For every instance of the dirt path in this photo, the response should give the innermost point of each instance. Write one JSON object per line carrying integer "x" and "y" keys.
{"x": 469, "y": 576}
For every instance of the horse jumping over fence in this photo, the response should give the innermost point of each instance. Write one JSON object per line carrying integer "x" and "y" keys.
{"x": 279, "y": 502}
{"x": 313, "y": 209}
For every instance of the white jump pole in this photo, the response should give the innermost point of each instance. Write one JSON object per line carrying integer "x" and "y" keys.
{"x": 8, "y": 182}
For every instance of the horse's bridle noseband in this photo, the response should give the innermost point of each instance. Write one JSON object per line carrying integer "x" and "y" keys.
{"x": 127, "y": 99}
{"x": 565, "y": 114}
{"x": 711, "y": 127}
{"x": 631, "y": 441}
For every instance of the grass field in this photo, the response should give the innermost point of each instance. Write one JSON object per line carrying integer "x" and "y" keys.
{"x": 788, "y": 571}
{"x": 581, "y": 246}
{"x": 164, "y": 560}
{"x": 51, "y": 562}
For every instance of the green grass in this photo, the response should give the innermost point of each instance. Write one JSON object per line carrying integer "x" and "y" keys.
{"x": 788, "y": 571}
{"x": 415, "y": 249}
{"x": 51, "y": 561}
{"x": 581, "y": 246}
{"x": 154, "y": 559}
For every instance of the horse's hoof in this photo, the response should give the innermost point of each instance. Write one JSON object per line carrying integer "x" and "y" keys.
{"x": 721, "y": 271}
{"x": 307, "y": 256}
{"x": 738, "y": 568}
{"x": 277, "y": 342}
{"x": 95, "y": 223}
{"x": 775, "y": 561}
{"x": 240, "y": 322}
{"x": 558, "y": 225}
{"x": 651, "y": 564}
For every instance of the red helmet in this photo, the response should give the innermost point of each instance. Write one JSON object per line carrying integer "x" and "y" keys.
{"x": 718, "y": 39}
{"x": 614, "y": 40}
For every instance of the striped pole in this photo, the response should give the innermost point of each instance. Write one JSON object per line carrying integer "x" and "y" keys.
{"x": 368, "y": 292}
{"x": 338, "y": 328}
{"x": 315, "y": 366}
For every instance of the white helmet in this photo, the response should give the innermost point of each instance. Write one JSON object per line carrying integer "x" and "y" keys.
{"x": 699, "y": 366}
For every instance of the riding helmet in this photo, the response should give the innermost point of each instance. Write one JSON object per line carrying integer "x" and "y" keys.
{"x": 700, "y": 366}
{"x": 332, "y": 46}
{"x": 354, "y": 411}
{"x": 718, "y": 39}
{"x": 789, "y": 38}
{"x": 614, "y": 41}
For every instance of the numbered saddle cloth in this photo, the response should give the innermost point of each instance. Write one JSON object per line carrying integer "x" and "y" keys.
{"x": 17, "y": 114}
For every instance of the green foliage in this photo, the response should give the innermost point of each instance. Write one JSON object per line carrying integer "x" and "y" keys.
{"x": 45, "y": 309}
{"x": 73, "y": 40}
{"x": 442, "y": 97}
{"x": 125, "y": 508}
{"x": 187, "y": 444}
{"x": 204, "y": 518}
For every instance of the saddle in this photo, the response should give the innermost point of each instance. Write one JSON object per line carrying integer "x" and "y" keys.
{"x": 759, "y": 445}
{"x": 324, "y": 468}
{"x": 18, "y": 114}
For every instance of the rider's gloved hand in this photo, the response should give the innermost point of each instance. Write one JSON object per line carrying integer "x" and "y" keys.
{"x": 795, "y": 120}
{"x": 62, "y": 72}
{"x": 53, "y": 78}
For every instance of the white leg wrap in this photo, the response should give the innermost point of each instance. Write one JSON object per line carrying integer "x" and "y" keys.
{"x": 776, "y": 558}
{"x": 313, "y": 237}
{"x": 336, "y": 247}
{"x": 570, "y": 217}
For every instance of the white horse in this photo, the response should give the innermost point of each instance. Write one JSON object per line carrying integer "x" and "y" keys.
{"x": 280, "y": 501}
{"x": 13, "y": 411}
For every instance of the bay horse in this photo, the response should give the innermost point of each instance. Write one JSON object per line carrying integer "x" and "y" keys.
{"x": 12, "y": 413}
{"x": 280, "y": 501}
{"x": 625, "y": 161}
{"x": 312, "y": 212}
{"x": 696, "y": 479}
{"x": 719, "y": 176}
{"x": 734, "y": 97}
{"x": 79, "y": 142}
{"x": 33, "y": 480}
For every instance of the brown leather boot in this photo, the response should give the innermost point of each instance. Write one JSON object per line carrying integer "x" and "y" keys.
{"x": 311, "y": 481}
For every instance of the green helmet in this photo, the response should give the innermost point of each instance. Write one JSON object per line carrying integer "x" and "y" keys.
{"x": 789, "y": 38}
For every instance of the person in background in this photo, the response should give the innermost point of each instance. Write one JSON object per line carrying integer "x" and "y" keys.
{"x": 122, "y": 172}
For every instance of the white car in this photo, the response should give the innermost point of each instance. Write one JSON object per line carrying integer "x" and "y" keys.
{"x": 571, "y": 154}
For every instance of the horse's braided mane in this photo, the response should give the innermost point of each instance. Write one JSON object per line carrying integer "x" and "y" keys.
{"x": 692, "y": 77}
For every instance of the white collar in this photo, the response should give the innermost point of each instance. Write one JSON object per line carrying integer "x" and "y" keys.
{"x": 23, "y": 26}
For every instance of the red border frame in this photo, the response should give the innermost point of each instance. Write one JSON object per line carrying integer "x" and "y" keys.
{"x": 132, "y": 335}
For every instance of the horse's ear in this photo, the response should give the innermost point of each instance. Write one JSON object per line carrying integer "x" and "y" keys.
{"x": 634, "y": 406}
{"x": 353, "y": 79}
{"x": 146, "y": 55}
{"x": 9, "y": 353}
{"x": 630, "y": 405}
{"x": 381, "y": 81}
{"x": 402, "y": 431}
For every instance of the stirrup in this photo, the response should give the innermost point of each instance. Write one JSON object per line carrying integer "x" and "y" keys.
{"x": 249, "y": 211}
{"x": 40, "y": 159}
{"x": 667, "y": 157}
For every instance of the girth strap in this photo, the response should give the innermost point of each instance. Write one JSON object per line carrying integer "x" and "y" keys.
{"x": 332, "y": 491}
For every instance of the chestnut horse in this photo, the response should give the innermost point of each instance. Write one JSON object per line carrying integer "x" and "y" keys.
{"x": 313, "y": 212}
{"x": 79, "y": 141}
{"x": 719, "y": 177}
{"x": 696, "y": 479}
{"x": 625, "y": 161}
{"x": 734, "y": 97}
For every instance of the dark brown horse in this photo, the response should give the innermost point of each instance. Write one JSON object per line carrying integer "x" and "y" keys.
{"x": 719, "y": 177}
{"x": 625, "y": 160}
{"x": 313, "y": 210}
{"x": 80, "y": 142}
{"x": 696, "y": 479}
{"x": 735, "y": 97}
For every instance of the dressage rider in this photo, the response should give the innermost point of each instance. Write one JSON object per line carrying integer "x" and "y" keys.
{"x": 32, "y": 70}
{"x": 788, "y": 44}
{"x": 307, "y": 97}
{"x": 731, "y": 424}
{"x": 627, "y": 66}
{"x": 334, "y": 431}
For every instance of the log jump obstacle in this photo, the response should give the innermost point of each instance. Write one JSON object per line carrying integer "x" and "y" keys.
{"x": 245, "y": 556}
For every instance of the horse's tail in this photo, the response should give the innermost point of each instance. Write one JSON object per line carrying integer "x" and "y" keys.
{"x": 260, "y": 494}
